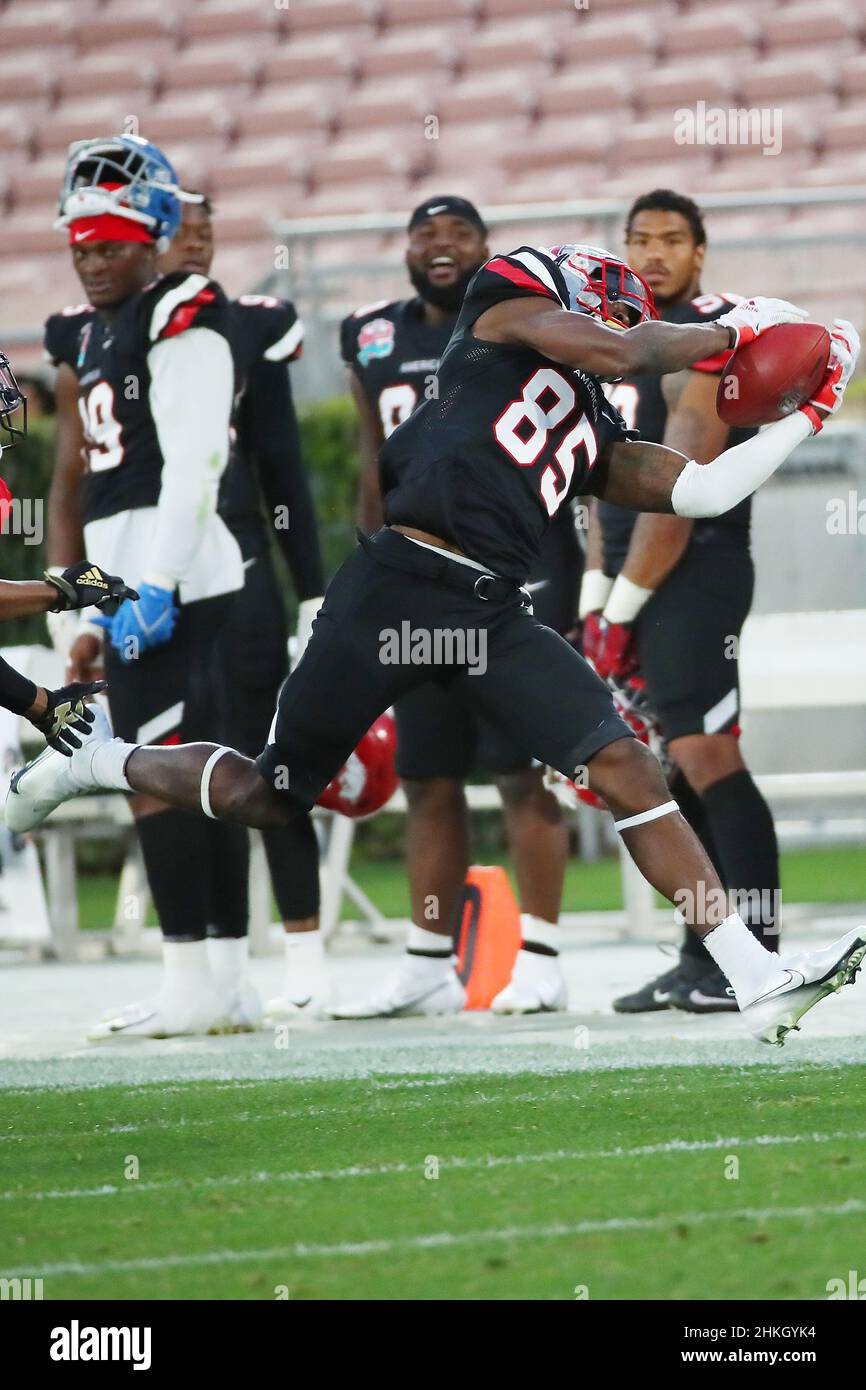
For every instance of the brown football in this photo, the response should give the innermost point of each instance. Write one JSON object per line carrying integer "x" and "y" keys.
{"x": 774, "y": 374}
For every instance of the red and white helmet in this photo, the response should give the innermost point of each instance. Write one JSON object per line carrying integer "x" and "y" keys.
{"x": 368, "y": 777}
{"x": 595, "y": 279}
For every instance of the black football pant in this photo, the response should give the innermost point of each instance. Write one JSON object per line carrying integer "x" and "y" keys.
{"x": 397, "y": 615}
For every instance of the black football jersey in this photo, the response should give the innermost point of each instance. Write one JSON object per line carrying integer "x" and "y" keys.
{"x": 261, "y": 328}
{"x": 395, "y": 354}
{"x": 507, "y": 438}
{"x": 641, "y": 403}
{"x": 110, "y": 361}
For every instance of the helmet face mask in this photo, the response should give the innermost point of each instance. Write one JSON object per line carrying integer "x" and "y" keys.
{"x": 596, "y": 281}
{"x": 124, "y": 175}
{"x": 12, "y": 400}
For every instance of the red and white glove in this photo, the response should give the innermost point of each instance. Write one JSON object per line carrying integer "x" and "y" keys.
{"x": 754, "y": 316}
{"x": 590, "y": 637}
{"x": 844, "y": 351}
{"x": 615, "y": 655}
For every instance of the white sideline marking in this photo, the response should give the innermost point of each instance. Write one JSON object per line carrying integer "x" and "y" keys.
{"x": 394, "y": 1169}
{"x": 437, "y": 1239}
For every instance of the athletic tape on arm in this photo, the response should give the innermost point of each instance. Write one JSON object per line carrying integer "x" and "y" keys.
{"x": 643, "y": 816}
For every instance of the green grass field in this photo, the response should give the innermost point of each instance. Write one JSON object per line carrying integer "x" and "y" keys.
{"x": 617, "y": 1182}
{"x": 832, "y": 875}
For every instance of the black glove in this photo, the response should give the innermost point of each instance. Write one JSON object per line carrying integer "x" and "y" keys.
{"x": 84, "y": 584}
{"x": 66, "y": 712}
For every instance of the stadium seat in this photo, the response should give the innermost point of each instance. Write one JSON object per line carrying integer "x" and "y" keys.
{"x": 195, "y": 161}
{"x": 401, "y": 103}
{"x": 598, "y": 36}
{"x": 209, "y": 68}
{"x": 501, "y": 9}
{"x": 290, "y": 108}
{"x": 82, "y": 117}
{"x": 378, "y": 195}
{"x": 810, "y": 26}
{"x": 29, "y": 233}
{"x": 747, "y": 170}
{"x": 556, "y": 139}
{"x": 638, "y": 175}
{"x": 106, "y": 74}
{"x": 305, "y": 58}
{"x": 266, "y": 164}
{"x": 684, "y": 84}
{"x": 507, "y": 44}
{"x": 477, "y": 145}
{"x": 36, "y": 184}
{"x": 239, "y": 18}
{"x": 39, "y": 22}
{"x": 414, "y": 48}
{"x": 839, "y": 168}
{"x": 35, "y": 76}
{"x": 424, "y": 11}
{"x": 852, "y": 76}
{"x": 796, "y": 76}
{"x": 842, "y": 130}
{"x": 582, "y": 92}
{"x": 710, "y": 33}
{"x": 330, "y": 16}
{"x": 121, "y": 19}
{"x": 16, "y": 131}
{"x": 555, "y": 183}
{"x": 365, "y": 158}
{"x": 491, "y": 95}
{"x": 188, "y": 116}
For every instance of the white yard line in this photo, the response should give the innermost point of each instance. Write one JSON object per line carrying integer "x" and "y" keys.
{"x": 439, "y": 1240}
{"x": 445, "y": 1165}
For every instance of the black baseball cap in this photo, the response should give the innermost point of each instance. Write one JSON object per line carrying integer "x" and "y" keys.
{"x": 455, "y": 207}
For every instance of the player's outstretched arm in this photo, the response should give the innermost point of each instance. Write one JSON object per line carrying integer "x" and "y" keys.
{"x": 577, "y": 340}
{"x": 653, "y": 478}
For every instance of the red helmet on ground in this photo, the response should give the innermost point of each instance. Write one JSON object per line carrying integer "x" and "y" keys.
{"x": 368, "y": 777}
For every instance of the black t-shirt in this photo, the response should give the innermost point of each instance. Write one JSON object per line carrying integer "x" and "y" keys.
{"x": 110, "y": 360}
{"x": 641, "y": 402}
{"x": 507, "y": 437}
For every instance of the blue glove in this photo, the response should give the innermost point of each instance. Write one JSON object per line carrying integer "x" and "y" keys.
{"x": 136, "y": 627}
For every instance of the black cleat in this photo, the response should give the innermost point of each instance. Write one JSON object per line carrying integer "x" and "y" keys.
{"x": 711, "y": 994}
{"x": 660, "y": 993}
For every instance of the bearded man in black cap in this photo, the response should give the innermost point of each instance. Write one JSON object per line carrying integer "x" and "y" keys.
{"x": 392, "y": 350}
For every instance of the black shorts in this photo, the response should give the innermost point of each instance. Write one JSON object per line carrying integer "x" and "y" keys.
{"x": 439, "y": 735}
{"x": 688, "y": 638}
{"x": 168, "y": 694}
{"x": 517, "y": 674}
{"x": 252, "y": 657}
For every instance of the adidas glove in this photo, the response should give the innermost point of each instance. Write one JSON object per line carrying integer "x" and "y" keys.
{"x": 844, "y": 351}
{"x": 84, "y": 584}
{"x": 754, "y": 316}
{"x": 137, "y": 627}
{"x": 66, "y": 716}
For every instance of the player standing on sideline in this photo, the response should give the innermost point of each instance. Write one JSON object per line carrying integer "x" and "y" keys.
{"x": 471, "y": 481}
{"x": 265, "y": 478}
{"x": 392, "y": 350}
{"x": 148, "y": 365}
{"x": 678, "y": 593}
{"x": 59, "y": 715}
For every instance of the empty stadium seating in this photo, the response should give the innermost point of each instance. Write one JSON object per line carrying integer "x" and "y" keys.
{"x": 320, "y": 107}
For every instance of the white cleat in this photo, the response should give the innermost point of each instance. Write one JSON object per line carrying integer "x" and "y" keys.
{"x": 244, "y": 1008}
{"x": 285, "y": 1010}
{"x": 537, "y": 986}
{"x": 42, "y": 785}
{"x": 170, "y": 1015}
{"x": 409, "y": 994}
{"x": 811, "y": 977}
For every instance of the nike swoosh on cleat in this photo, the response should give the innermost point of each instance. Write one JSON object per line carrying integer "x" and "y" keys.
{"x": 782, "y": 988}
{"x": 130, "y": 1022}
{"x": 659, "y": 997}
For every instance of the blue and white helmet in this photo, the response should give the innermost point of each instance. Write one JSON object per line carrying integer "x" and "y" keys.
{"x": 125, "y": 175}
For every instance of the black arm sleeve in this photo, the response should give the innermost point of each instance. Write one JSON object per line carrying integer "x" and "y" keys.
{"x": 16, "y": 691}
{"x": 270, "y": 429}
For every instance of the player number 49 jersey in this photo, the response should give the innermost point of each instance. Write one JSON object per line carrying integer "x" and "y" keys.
{"x": 508, "y": 438}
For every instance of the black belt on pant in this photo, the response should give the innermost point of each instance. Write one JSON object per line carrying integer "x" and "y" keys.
{"x": 393, "y": 548}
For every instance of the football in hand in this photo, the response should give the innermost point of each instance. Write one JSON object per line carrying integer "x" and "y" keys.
{"x": 773, "y": 375}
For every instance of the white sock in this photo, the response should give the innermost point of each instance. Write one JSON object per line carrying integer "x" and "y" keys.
{"x": 187, "y": 965}
{"x": 107, "y": 764}
{"x": 306, "y": 975}
{"x": 538, "y": 932}
{"x": 422, "y": 939}
{"x": 748, "y": 965}
{"x": 228, "y": 956}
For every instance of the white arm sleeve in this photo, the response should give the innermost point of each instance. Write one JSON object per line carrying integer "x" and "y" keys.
{"x": 709, "y": 489}
{"x": 191, "y": 389}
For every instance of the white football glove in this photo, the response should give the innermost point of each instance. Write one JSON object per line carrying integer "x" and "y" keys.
{"x": 844, "y": 351}
{"x": 754, "y": 316}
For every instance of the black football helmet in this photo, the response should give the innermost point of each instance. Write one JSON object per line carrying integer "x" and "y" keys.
{"x": 13, "y": 407}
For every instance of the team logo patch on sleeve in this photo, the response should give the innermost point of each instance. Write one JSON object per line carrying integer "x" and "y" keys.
{"x": 375, "y": 340}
